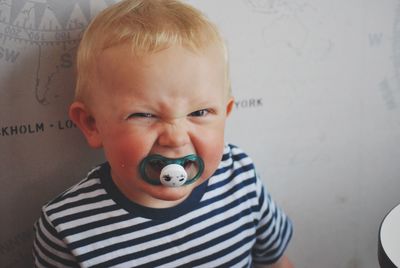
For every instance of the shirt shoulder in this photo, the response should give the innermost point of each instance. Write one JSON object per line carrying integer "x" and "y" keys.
{"x": 88, "y": 191}
{"x": 235, "y": 167}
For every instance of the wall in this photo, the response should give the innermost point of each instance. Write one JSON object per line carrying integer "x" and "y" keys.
{"x": 317, "y": 87}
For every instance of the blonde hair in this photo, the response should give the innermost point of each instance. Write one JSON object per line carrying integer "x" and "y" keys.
{"x": 149, "y": 26}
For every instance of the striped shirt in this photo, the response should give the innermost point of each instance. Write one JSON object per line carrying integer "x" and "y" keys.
{"x": 228, "y": 221}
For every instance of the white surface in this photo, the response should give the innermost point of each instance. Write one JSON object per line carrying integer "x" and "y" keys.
{"x": 390, "y": 235}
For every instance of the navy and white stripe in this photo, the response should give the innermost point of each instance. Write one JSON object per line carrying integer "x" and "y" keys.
{"x": 229, "y": 221}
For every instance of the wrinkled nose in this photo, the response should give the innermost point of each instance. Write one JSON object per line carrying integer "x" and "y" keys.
{"x": 173, "y": 135}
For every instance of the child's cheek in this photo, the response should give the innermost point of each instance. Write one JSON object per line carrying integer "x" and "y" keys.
{"x": 212, "y": 157}
{"x": 126, "y": 152}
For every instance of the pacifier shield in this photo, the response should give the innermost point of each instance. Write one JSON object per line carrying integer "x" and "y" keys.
{"x": 171, "y": 172}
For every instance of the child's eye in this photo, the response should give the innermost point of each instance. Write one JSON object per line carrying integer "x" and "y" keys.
{"x": 199, "y": 113}
{"x": 141, "y": 115}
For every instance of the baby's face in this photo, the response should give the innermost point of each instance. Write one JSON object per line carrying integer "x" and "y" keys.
{"x": 173, "y": 103}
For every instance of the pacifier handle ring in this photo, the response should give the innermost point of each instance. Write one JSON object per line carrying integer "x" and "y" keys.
{"x": 168, "y": 161}
{"x": 142, "y": 168}
{"x": 194, "y": 158}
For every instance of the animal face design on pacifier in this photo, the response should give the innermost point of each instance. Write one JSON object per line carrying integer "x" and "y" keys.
{"x": 173, "y": 175}
{"x": 171, "y": 172}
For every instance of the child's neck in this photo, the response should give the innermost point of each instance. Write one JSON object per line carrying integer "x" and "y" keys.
{"x": 148, "y": 201}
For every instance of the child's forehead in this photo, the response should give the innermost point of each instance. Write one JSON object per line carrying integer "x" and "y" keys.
{"x": 123, "y": 56}
{"x": 120, "y": 65}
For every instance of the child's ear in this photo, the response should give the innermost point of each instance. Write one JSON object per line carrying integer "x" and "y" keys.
{"x": 81, "y": 116}
{"x": 229, "y": 106}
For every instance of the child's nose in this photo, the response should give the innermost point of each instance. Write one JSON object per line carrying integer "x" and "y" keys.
{"x": 173, "y": 135}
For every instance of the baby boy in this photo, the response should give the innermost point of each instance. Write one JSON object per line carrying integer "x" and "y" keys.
{"x": 153, "y": 92}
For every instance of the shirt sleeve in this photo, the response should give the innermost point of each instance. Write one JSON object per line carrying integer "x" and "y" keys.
{"x": 49, "y": 250}
{"x": 274, "y": 229}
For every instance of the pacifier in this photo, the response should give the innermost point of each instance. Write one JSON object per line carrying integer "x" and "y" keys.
{"x": 171, "y": 172}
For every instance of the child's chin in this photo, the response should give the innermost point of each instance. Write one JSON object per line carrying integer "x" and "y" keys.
{"x": 173, "y": 193}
